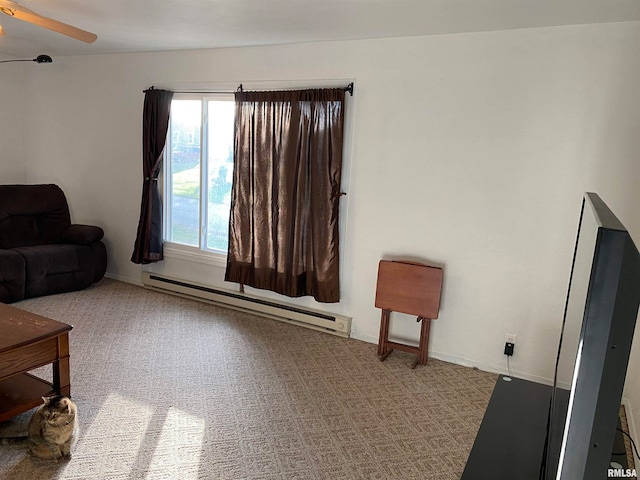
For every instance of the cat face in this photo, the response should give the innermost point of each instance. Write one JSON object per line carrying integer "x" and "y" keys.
{"x": 58, "y": 410}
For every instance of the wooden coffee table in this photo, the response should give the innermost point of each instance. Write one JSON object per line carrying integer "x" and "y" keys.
{"x": 29, "y": 341}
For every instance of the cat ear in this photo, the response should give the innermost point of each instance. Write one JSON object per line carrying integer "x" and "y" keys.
{"x": 45, "y": 400}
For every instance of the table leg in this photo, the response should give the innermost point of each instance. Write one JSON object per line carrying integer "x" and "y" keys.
{"x": 384, "y": 331}
{"x": 424, "y": 341}
{"x": 61, "y": 371}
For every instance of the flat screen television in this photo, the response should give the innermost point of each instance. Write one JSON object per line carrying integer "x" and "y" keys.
{"x": 597, "y": 330}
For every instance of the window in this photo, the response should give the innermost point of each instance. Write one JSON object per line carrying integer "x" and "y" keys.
{"x": 198, "y": 171}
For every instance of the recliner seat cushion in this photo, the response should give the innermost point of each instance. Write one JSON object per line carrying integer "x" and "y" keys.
{"x": 56, "y": 268}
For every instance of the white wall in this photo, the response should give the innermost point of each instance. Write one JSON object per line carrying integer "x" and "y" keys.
{"x": 469, "y": 151}
{"x": 12, "y": 161}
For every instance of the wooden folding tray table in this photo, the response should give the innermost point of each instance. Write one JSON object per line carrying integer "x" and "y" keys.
{"x": 410, "y": 288}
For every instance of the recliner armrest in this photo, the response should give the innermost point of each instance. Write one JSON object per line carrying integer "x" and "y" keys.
{"x": 82, "y": 234}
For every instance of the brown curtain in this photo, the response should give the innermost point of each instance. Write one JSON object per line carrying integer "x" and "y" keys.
{"x": 148, "y": 246}
{"x": 283, "y": 227}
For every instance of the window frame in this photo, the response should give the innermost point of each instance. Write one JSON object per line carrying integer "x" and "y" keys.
{"x": 199, "y": 253}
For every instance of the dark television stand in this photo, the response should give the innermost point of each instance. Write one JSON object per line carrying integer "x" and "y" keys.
{"x": 510, "y": 441}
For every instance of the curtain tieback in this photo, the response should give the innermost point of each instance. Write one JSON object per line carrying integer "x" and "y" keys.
{"x": 155, "y": 179}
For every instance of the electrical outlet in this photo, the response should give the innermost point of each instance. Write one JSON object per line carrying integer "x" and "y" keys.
{"x": 509, "y": 343}
{"x": 508, "y": 349}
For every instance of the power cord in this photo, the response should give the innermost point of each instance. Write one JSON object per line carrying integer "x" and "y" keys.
{"x": 635, "y": 448}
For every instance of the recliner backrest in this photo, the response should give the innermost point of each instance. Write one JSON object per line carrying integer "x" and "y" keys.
{"x": 32, "y": 215}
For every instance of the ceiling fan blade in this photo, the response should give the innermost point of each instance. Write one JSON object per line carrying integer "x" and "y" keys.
{"x": 16, "y": 10}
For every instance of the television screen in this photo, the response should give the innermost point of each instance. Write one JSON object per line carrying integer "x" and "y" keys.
{"x": 595, "y": 342}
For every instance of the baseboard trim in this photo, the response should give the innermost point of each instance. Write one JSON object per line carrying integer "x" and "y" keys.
{"x": 122, "y": 278}
{"x": 465, "y": 362}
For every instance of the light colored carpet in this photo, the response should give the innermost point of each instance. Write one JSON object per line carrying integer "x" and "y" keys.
{"x": 169, "y": 388}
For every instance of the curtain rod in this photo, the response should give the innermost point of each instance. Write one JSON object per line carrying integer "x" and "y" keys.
{"x": 239, "y": 89}
{"x": 348, "y": 89}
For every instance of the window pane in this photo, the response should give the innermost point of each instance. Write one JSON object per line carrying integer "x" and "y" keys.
{"x": 220, "y": 172}
{"x": 186, "y": 118}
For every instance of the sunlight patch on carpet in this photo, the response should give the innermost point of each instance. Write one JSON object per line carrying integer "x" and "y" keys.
{"x": 179, "y": 444}
{"x": 119, "y": 428}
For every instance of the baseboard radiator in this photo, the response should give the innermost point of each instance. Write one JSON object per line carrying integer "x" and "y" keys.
{"x": 326, "y": 322}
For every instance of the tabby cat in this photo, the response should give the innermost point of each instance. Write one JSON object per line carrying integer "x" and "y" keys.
{"x": 53, "y": 429}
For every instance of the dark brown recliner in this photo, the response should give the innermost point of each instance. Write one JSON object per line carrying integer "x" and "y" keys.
{"x": 41, "y": 252}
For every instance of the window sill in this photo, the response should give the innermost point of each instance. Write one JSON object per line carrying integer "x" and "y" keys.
{"x": 194, "y": 255}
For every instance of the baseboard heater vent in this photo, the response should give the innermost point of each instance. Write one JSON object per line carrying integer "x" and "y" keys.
{"x": 315, "y": 319}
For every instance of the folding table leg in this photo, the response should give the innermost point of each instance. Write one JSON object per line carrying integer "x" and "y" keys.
{"x": 383, "y": 351}
{"x": 424, "y": 340}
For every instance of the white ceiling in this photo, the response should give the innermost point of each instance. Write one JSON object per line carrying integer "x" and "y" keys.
{"x": 158, "y": 25}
